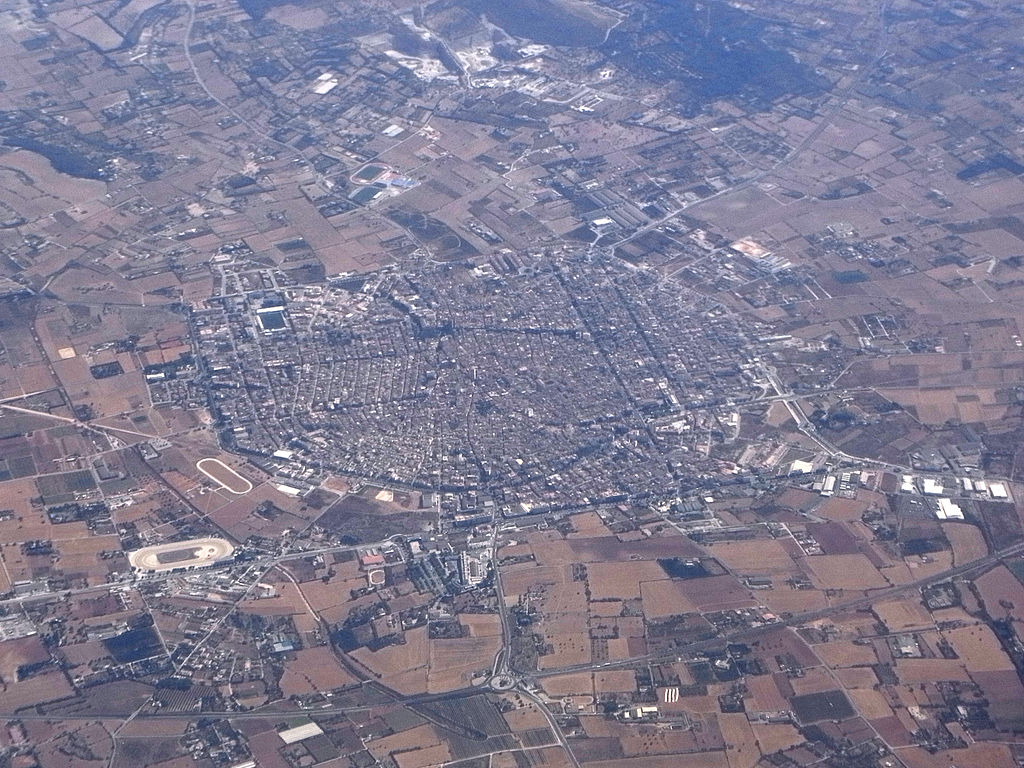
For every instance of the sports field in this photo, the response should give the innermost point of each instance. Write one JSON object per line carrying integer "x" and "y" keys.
{"x": 224, "y": 476}
{"x": 180, "y": 554}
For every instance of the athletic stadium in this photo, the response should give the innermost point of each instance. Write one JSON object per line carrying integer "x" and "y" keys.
{"x": 181, "y": 555}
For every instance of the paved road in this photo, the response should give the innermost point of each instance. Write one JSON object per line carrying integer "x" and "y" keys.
{"x": 799, "y": 619}
{"x": 265, "y": 562}
{"x": 272, "y": 711}
{"x": 686, "y": 650}
{"x": 838, "y": 102}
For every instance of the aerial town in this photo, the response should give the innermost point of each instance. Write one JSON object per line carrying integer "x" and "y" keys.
{"x": 551, "y": 384}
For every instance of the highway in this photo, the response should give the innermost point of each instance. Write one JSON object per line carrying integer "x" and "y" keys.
{"x": 839, "y": 100}
{"x": 799, "y": 619}
{"x": 266, "y": 562}
{"x": 525, "y": 686}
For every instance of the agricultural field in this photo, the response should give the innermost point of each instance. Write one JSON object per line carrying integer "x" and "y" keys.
{"x": 550, "y": 384}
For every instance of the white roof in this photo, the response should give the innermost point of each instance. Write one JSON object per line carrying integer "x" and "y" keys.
{"x": 324, "y": 84}
{"x": 998, "y": 490}
{"x": 931, "y": 487}
{"x": 300, "y": 732}
{"x": 949, "y": 511}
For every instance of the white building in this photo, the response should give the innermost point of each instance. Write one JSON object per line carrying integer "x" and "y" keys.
{"x": 300, "y": 733}
{"x": 948, "y": 510}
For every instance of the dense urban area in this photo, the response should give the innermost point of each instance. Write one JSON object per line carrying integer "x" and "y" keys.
{"x": 559, "y": 383}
